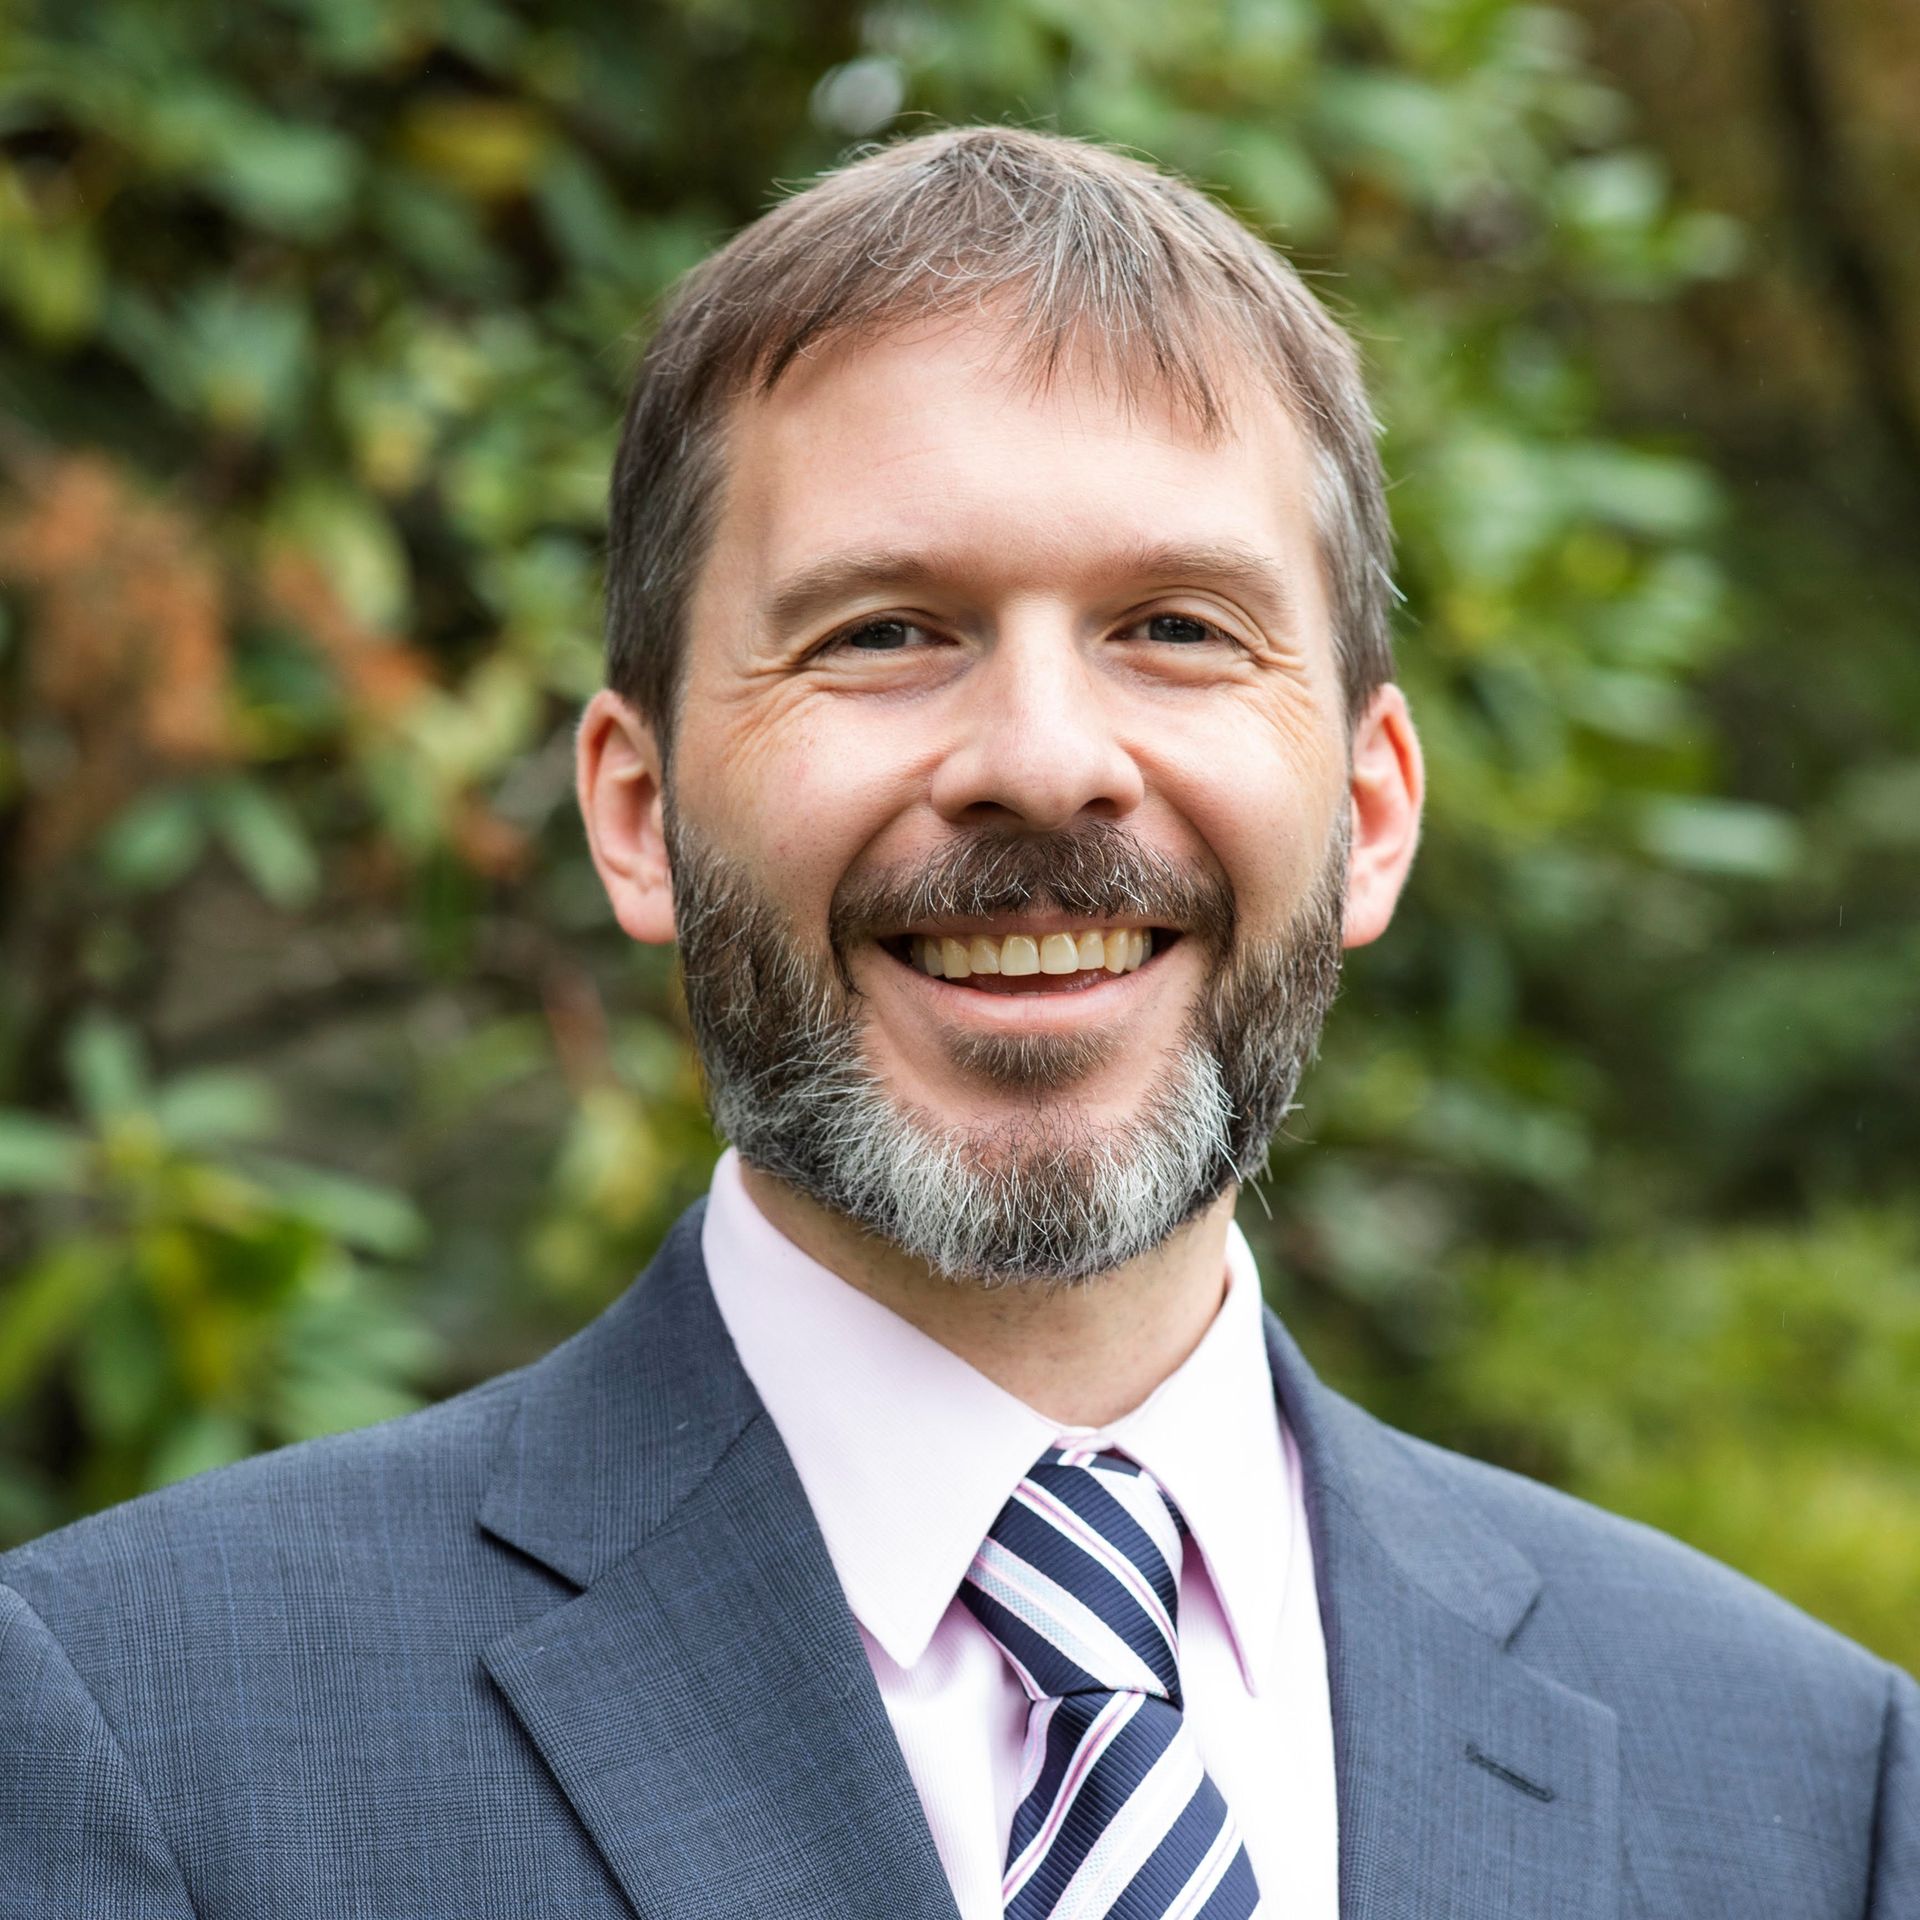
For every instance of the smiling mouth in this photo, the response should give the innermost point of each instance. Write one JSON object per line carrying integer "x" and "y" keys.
{"x": 1058, "y": 962}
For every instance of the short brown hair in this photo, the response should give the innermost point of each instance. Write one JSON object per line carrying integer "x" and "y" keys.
{"x": 1095, "y": 253}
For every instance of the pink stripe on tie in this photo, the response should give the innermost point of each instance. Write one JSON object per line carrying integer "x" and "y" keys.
{"x": 1065, "y": 1520}
{"x": 1211, "y": 1871}
{"x": 1099, "y": 1737}
{"x": 1034, "y": 1758}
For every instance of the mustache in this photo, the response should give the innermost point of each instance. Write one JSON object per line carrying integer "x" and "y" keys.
{"x": 1097, "y": 872}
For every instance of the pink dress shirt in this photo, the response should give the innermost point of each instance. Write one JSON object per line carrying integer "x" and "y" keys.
{"x": 907, "y": 1454}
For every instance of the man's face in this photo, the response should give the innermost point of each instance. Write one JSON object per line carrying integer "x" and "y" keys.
{"x": 982, "y": 668}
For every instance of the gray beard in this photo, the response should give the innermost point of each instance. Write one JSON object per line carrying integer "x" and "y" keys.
{"x": 1050, "y": 1197}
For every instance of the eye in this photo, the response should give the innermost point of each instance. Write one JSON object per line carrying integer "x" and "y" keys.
{"x": 1181, "y": 630}
{"x": 886, "y": 635}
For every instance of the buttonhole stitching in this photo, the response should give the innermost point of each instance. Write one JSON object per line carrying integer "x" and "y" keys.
{"x": 1526, "y": 1786}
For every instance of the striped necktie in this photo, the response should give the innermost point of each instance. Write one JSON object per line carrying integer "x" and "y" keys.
{"x": 1078, "y": 1582}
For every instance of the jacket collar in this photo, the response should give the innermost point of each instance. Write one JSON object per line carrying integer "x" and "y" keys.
{"x": 1391, "y": 1488}
{"x": 705, "y": 1703}
{"x": 618, "y": 1425}
{"x": 1467, "y": 1783}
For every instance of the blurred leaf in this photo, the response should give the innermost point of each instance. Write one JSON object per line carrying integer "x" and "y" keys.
{"x": 1722, "y": 836}
{"x": 353, "y": 1356}
{"x": 1646, "y": 493}
{"x": 1619, "y": 190}
{"x": 265, "y": 837}
{"x": 198, "y": 1444}
{"x": 214, "y": 1109}
{"x": 45, "y": 1303}
{"x": 354, "y": 542}
{"x": 861, "y": 96}
{"x": 249, "y": 356}
{"x": 488, "y": 148}
{"x": 1278, "y": 183}
{"x": 104, "y": 1060}
{"x": 40, "y": 1156}
{"x": 1397, "y": 122}
{"x": 376, "y": 1218}
{"x": 122, "y": 1374}
{"x": 51, "y": 276}
{"x": 154, "y": 844}
{"x": 297, "y": 179}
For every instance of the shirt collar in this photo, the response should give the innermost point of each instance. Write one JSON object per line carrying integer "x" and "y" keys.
{"x": 1213, "y": 1436}
{"x": 873, "y": 1412}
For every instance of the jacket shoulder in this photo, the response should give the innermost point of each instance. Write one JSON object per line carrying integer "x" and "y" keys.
{"x": 1734, "y": 1706}
{"x": 326, "y": 1506}
{"x": 1746, "y": 1729}
{"x": 1630, "y": 1582}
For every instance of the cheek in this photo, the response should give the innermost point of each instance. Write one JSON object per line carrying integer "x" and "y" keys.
{"x": 788, "y": 793}
{"x": 1264, "y": 811}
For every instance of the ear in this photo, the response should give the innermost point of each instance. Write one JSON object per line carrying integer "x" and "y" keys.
{"x": 617, "y": 774}
{"x": 1387, "y": 784}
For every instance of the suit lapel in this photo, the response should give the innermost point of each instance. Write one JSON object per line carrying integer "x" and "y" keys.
{"x": 704, "y": 1703}
{"x": 1468, "y": 1784}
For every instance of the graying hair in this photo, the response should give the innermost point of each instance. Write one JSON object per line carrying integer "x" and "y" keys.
{"x": 1060, "y": 1200}
{"x": 1094, "y": 257}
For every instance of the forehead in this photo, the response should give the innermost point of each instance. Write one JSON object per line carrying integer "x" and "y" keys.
{"x": 943, "y": 442}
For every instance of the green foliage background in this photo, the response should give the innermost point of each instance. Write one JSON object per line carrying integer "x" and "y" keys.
{"x": 326, "y": 1084}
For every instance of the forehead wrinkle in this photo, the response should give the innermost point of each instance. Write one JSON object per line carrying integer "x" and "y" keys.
{"x": 1228, "y": 565}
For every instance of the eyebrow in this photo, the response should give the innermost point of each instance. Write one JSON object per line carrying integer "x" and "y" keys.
{"x": 1227, "y": 564}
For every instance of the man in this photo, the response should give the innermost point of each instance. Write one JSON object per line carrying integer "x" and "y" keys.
{"x": 1000, "y": 720}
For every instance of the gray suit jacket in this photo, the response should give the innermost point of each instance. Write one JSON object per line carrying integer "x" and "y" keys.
{"x": 571, "y": 1645}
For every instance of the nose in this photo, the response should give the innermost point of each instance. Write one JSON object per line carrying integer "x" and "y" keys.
{"x": 1035, "y": 744}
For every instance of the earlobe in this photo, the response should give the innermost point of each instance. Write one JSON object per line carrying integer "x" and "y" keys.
{"x": 1386, "y": 789}
{"x": 618, "y": 778}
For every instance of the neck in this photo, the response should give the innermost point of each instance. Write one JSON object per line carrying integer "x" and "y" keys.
{"x": 1082, "y": 1353}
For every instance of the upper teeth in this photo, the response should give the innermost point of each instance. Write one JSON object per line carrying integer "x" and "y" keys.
{"x": 1114, "y": 949}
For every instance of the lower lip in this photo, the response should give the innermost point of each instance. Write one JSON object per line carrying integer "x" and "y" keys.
{"x": 1079, "y": 981}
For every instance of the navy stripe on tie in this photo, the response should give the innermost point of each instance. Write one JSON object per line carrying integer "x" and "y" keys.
{"x": 1171, "y": 1864}
{"x": 1074, "y": 1487}
{"x": 1065, "y": 1731}
{"x": 1080, "y": 1552}
{"x": 1068, "y": 1564}
{"x": 1236, "y": 1896}
{"x": 1052, "y": 1671}
{"x": 1106, "y": 1789}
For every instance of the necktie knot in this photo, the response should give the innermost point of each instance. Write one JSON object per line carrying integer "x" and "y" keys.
{"x": 1078, "y": 1580}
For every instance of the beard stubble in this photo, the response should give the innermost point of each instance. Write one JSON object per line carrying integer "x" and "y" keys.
{"x": 1048, "y": 1194}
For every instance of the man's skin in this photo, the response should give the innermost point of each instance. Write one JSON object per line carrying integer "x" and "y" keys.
{"x": 1087, "y": 610}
